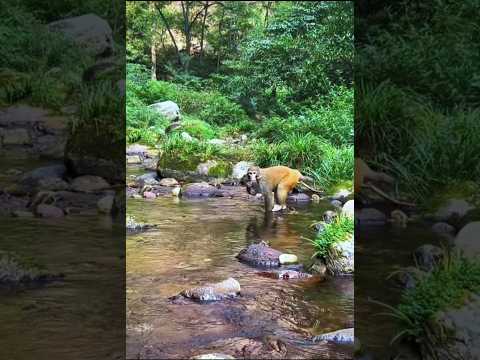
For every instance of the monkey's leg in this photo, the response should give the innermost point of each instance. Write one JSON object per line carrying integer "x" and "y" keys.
{"x": 269, "y": 201}
{"x": 282, "y": 194}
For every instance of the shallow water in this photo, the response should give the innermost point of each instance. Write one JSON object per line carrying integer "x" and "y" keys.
{"x": 378, "y": 252}
{"x": 196, "y": 242}
{"x": 81, "y": 317}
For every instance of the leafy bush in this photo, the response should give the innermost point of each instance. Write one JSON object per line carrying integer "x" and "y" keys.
{"x": 197, "y": 128}
{"x": 339, "y": 230}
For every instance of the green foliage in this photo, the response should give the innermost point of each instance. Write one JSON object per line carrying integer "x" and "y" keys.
{"x": 223, "y": 169}
{"x": 197, "y": 128}
{"x": 339, "y": 230}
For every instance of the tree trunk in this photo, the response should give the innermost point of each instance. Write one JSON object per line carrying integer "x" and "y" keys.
{"x": 203, "y": 29}
{"x": 186, "y": 26}
{"x": 153, "y": 46}
{"x": 167, "y": 26}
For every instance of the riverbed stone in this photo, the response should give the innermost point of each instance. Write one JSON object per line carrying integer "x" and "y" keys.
{"x": 168, "y": 108}
{"x": 343, "y": 336}
{"x": 299, "y": 198}
{"x": 336, "y": 203}
{"x": 149, "y": 178}
{"x": 428, "y": 257}
{"x": 340, "y": 257}
{"x": 370, "y": 217}
{"x": 138, "y": 150}
{"x": 329, "y": 216}
{"x": 467, "y": 240}
{"x": 318, "y": 266}
{"x": 348, "y": 209}
{"x": 213, "y": 356}
{"x": 89, "y": 183}
{"x": 88, "y": 31}
{"x": 213, "y": 291}
{"x": 169, "y": 182}
{"x": 134, "y": 160}
{"x": 341, "y": 195}
{"x": 15, "y": 137}
{"x": 52, "y": 183}
{"x": 201, "y": 189}
{"x": 288, "y": 259}
{"x": 54, "y": 171}
{"x": 49, "y": 211}
{"x": 286, "y": 274}
{"x": 260, "y": 255}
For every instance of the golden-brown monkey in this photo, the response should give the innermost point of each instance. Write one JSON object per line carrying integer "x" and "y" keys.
{"x": 363, "y": 174}
{"x": 276, "y": 179}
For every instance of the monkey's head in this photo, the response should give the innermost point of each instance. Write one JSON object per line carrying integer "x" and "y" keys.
{"x": 253, "y": 178}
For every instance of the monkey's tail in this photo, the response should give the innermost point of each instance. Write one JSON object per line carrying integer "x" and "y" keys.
{"x": 309, "y": 179}
{"x": 388, "y": 197}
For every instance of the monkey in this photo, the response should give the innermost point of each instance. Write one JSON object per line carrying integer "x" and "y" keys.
{"x": 364, "y": 173}
{"x": 398, "y": 217}
{"x": 274, "y": 183}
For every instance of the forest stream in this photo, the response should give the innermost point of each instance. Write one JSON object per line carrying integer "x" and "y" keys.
{"x": 196, "y": 242}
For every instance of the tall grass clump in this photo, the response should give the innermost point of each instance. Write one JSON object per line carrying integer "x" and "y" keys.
{"x": 339, "y": 230}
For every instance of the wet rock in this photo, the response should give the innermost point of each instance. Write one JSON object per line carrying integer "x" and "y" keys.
{"x": 344, "y": 336}
{"x": 462, "y": 324}
{"x": 133, "y": 226}
{"x": 467, "y": 240}
{"x": 201, "y": 189}
{"x": 89, "y": 183}
{"x": 348, "y": 209}
{"x": 319, "y": 227}
{"x": 134, "y": 159}
{"x": 137, "y": 150}
{"x": 443, "y": 228}
{"x": 287, "y": 259}
{"x": 336, "y": 203}
{"x": 428, "y": 257}
{"x": 15, "y": 137}
{"x": 204, "y": 168}
{"x": 88, "y": 31}
{"x": 299, "y": 198}
{"x": 260, "y": 255}
{"x": 212, "y": 356}
{"x": 147, "y": 179}
{"x": 213, "y": 292}
{"x": 452, "y": 210}
{"x": 168, "y": 109}
{"x": 286, "y": 274}
{"x": 49, "y": 211}
{"x": 329, "y": 216}
{"x": 105, "y": 204}
{"x": 340, "y": 257}
{"x": 407, "y": 278}
{"x": 170, "y": 182}
{"x": 149, "y": 195}
{"x": 53, "y": 171}
{"x": 240, "y": 170}
{"x": 341, "y": 195}
{"x": 370, "y": 217}
{"x": 318, "y": 267}
{"x": 52, "y": 184}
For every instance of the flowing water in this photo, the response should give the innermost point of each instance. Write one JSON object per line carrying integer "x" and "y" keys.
{"x": 196, "y": 241}
{"x": 80, "y": 317}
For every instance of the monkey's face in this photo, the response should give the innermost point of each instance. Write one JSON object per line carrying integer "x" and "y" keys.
{"x": 253, "y": 174}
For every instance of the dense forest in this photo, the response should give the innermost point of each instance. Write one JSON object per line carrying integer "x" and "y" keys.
{"x": 278, "y": 75}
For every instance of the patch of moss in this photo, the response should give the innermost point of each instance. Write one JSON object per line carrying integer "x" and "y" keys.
{"x": 197, "y": 128}
{"x": 179, "y": 163}
{"x": 223, "y": 169}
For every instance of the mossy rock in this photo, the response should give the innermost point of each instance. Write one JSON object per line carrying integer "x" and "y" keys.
{"x": 466, "y": 190}
{"x": 177, "y": 163}
{"x": 223, "y": 170}
{"x": 97, "y": 149}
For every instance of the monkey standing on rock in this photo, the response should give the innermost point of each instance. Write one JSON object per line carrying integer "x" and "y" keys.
{"x": 276, "y": 179}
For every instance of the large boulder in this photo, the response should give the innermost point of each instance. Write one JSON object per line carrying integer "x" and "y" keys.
{"x": 348, "y": 209}
{"x": 467, "y": 240}
{"x": 88, "y": 31}
{"x": 340, "y": 257}
{"x": 168, "y": 109}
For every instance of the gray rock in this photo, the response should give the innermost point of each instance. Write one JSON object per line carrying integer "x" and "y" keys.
{"x": 329, "y": 216}
{"x": 260, "y": 255}
{"x": 443, "y": 228}
{"x": 22, "y": 214}
{"x": 89, "y": 183}
{"x": 136, "y": 149}
{"x": 52, "y": 171}
{"x": 348, "y": 209}
{"x": 149, "y": 178}
{"x": 407, "y": 278}
{"x": 344, "y": 336}
{"x": 240, "y": 169}
{"x": 52, "y": 183}
{"x": 217, "y": 142}
{"x": 204, "y": 168}
{"x": 134, "y": 159}
{"x": 453, "y": 208}
{"x": 467, "y": 240}
{"x": 15, "y": 137}
{"x": 370, "y": 217}
{"x": 336, "y": 203}
{"x": 320, "y": 227}
{"x": 428, "y": 257}
{"x": 213, "y": 292}
{"x": 341, "y": 195}
{"x": 299, "y": 198}
{"x": 168, "y": 109}
{"x": 49, "y": 211}
{"x": 201, "y": 189}
{"x": 318, "y": 267}
{"x": 340, "y": 258}
{"x": 88, "y": 31}
{"x": 186, "y": 136}
{"x": 170, "y": 182}
{"x": 105, "y": 204}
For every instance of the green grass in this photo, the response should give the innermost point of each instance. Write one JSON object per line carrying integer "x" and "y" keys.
{"x": 339, "y": 230}
{"x": 448, "y": 286}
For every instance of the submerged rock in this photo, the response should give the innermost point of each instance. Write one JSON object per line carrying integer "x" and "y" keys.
{"x": 105, "y": 204}
{"x": 201, "y": 189}
{"x": 260, "y": 255}
{"x": 212, "y": 292}
{"x": 213, "y": 356}
{"x": 285, "y": 274}
{"x": 344, "y": 336}
{"x": 134, "y": 227}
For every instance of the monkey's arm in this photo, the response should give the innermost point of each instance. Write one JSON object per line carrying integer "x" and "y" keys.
{"x": 388, "y": 197}
{"x": 312, "y": 189}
